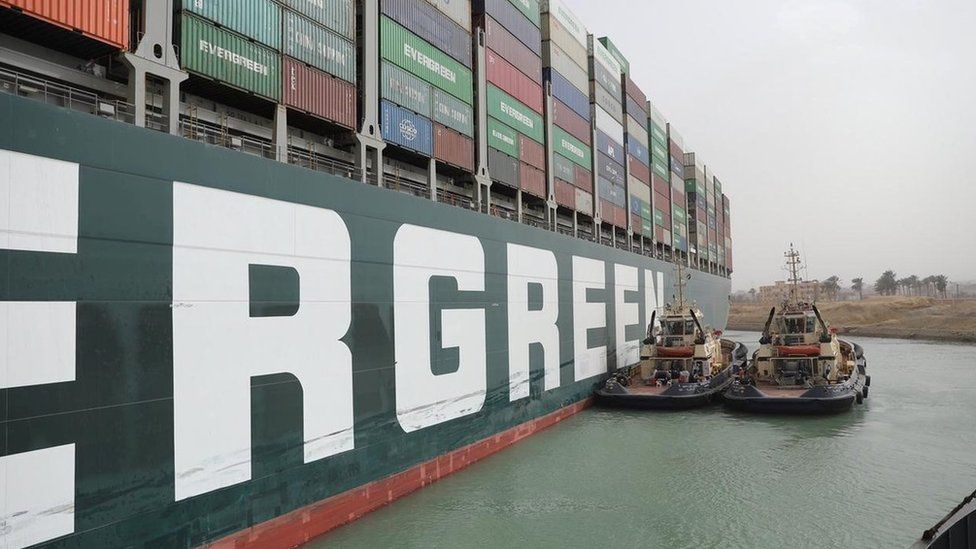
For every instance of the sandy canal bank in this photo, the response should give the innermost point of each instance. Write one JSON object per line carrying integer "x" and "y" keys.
{"x": 898, "y": 317}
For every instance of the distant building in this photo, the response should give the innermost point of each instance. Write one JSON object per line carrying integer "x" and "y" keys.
{"x": 809, "y": 291}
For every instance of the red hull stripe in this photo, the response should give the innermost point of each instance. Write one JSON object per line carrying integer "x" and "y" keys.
{"x": 301, "y": 525}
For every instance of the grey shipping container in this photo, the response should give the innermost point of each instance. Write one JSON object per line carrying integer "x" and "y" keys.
{"x": 430, "y": 24}
{"x": 610, "y": 170}
{"x": 554, "y": 56}
{"x": 321, "y": 48}
{"x": 514, "y": 20}
{"x": 453, "y": 113}
{"x": 257, "y": 19}
{"x": 607, "y": 146}
{"x": 604, "y": 78}
{"x": 405, "y": 89}
{"x": 636, "y": 111}
{"x": 562, "y": 168}
{"x": 554, "y": 31}
{"x": 606, "y": 101}
{"x": 458, "y": 10}
{"x": 503, "y": 168}
{"x": 336, "y": 15}
{"x": 406, "y": 128}
{"x": 499, "y": 40}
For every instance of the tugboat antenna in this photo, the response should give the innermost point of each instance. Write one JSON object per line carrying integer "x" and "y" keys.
{"x": 793, "y": 264}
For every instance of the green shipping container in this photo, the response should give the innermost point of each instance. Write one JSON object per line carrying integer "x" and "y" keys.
{"x": 407, "y": 50}
{"x": 661, "y": 168}
{"x": 229, "y": 58}
{"x": 507, "y": 109}
{"x": 453, "y": 113}
{"x": 659, "y": 134}
{"x": 503, "y": 138}
{"x": 568, "y": 146}
{"x": 647, "y": 228}
{"x": 321, "y": 48}
{"x": 529, "y": 8}
{"x": 612, "y": 48}
{"x": 658, "y": 217}
{"x": 405, "y": 89}
{"x": 336, "y": 15}
{"x": 679, "y": 215}
{"x": 659, "y": 151}
{"x": 645, "y": 210}
{"x": 257, "y": 19}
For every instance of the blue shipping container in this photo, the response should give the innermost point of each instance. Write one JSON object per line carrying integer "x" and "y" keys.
{"x": 610, "y": 170}
{"x": 678, "y": 168}
{"x": 636, "y": 111}
{"x": 514, "y": 22}
{"x": 610, "y": 147}
{"x": 426, "y": 21}
{"x": 406, "y": 128}
{"x": 564, "y": 91}
{"x": 638, "y": 151}
{"x": 635, "y": 205}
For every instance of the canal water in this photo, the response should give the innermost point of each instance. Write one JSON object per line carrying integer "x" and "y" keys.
{"x": 875, "y": 477}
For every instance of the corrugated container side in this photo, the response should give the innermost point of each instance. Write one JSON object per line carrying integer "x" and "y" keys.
{"x": 405, "y": 89}
{"x": 257, "y": 19}
{"x": 609, "y": 126}
{"x": 638, "y": 170}
{"x": 532, "y": 153}
{"x": 658, "y": 150}
{"x": 607, "y": 169}
{"x": 615, "y": 52}
{"x": 555, "y": 32}
{"x": 507, "y": 109}
{"x": 319, "y": 94}
{"x": 104, "y": 20}
{"x": 647, "y": 228}
{"x": 514, "y": 20}
{"x": 635, "y": 205}
{"x": 453, "y": 113}
{"x": 605, "y": 101}
{"x": 635, "y": 111}
{"x": 432, "y": 26}
{"x": 532, "y": 180}
{"x": 503, "y": 138}
{"x": 321, "y": 48}
{"x": 554, "y": 56}
{"x": 453, "y": 148}
{"x": 638, "y": 151}
{"x": 531, "y": 10}
{"x": 406, "y": 128}
{"x": 661, "y": 168}
{"x": 513, "y": 82}
{"x": 603, "y": 57}
{"x": 661, "y": 186}
{"x": 635, "y": 94}
{"x": 677, "y": 197}
{"x": 458, "y": 10}
{"x": 337, "y": 15}
{"x": 605, "y": 79}
{"x": 229, "y": 58}
{"x": 636, "y": 224}
{"x": 678, "y": 169}
{"x": 676, "y": 138}
{"x": 562, "y": 168}
{"x": 658, "y": 134}
{"x": 584, "y": 202}
{"x": 582, "y": 178}
{"x": 609, "y": 147}
{"x": 418, "y": 57}
{"x": 503, "y": 168}
{"x": 676, "y": 152}
{"x": 504, "y": 44}
{"x": 565, "y": 118}
{"x": 565, "y": 194}
{"x": 567, "y": 93}
{"x": 636, "y": 131}
{"x": 571, "y": 148}
{"x": 566, "y": 18}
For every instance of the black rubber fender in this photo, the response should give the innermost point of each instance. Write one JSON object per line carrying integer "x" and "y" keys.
{"x": 867, "y": 381}
{"x": 859, "y": 398}
{"x": 865, "y": 391}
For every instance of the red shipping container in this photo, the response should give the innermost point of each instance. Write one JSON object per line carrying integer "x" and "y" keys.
{"x": 532, "y": 153}
{"x": 711, "y": 235}
{"x": 606, "y": 211}
{"x": 509, "y": 48}
{"x": 532, "y": 180}
{"x": 453, "y": 148}
{"x": 317, "y": 93}
{"x": 565, "y": 194}
{"x": 660, "y": 185}
{"x": 104, "y": 20}
{"x": 636, "y": 224}
{"x": 634, "y": 92}
{"x": 638, "y": 169}
{"x": 678, "y": 198}
{"x": 700, "y": 215}
{"x": 620, "y": 217}
{"x": 659, "y": 233}
{"x": 583, "y": 178}
{"x": 502, "y": 74}
{"x": 676, "y": 151}
{"x": 574, "y": 124}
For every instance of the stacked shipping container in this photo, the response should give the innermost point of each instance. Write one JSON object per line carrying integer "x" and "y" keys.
{"x": 106, "y": 21}
{"x": 564, "y": 58}
{"x": 679, "y": 218}
{"x": 426, "y": 82}
{"x": 727, "y": 224}
{"x": 513, "y": 68}
{"x": 657, "y": 129}
{"x": 608, "y": 117}
{"x": 301, "y": 53}
{"x": 695, "y": 181}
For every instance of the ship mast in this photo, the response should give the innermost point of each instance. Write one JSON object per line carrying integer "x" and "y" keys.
{"x": 793, "y": 264}
{"x": 680, "y": 281}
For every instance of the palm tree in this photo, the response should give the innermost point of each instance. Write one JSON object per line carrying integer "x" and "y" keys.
{"x": 887, "y": 284}
{"x": 941, "y": 283}
{"x": 831, "y": 286}
{"x": 913, "y": 285}
{"x": 752, "y": 292}
{"x": 857, "y": 284}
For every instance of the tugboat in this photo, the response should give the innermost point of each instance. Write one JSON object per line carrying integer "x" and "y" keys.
{"x": 683, "y": 363}
{"x": 801, "y": 367}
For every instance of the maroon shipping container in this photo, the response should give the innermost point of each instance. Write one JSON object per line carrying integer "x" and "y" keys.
{"x": 532, "y": 153}
{"x": 660, "y": 185}
{"x": 509, "y": 48}
{"x": 700, "y": 215}
{"x": 678, "y": 198}
{"x": 574, "y": 124}
{"x": 532, "y": 180}
{"x": 104, "y": 20}
{"x": 620, "y": 217}
{"x": 659, "y": 234}
{"x": 676, "y": 151}
{"x": 636, "y": 224}
{"x": 453, "y": 148}
{"x": 582, "y": 178}
{"x": 565, "y": 194}
{"x": 637, "y": 169}
{"x": 711, "y": 235}
{"x": 317, "y": 93}
{"x": 634, "y": 92}
{"x": 661, "y": 202}
{"x": 502, "y": 74}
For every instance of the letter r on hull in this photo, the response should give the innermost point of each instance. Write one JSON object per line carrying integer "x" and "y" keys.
{"x": 218, "y": 346}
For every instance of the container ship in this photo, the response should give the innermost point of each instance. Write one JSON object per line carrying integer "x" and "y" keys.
{"x": 267, "y": 266}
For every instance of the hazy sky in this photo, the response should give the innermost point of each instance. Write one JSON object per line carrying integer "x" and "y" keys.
{"x": 847, "y": 127}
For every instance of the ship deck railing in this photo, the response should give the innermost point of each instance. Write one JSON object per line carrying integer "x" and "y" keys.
{"x": 54, "y": 93}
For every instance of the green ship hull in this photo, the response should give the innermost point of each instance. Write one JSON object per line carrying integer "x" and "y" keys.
{"x": 199, "y": 342}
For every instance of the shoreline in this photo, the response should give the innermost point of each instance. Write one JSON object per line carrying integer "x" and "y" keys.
{"x": 886, "y": 333}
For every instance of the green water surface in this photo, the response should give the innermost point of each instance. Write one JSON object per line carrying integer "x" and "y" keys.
{"x": 875, "y": 477}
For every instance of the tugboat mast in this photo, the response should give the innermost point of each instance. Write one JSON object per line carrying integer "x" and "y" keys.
{"x": 680, "y": 281}
{"x": 793, "y": 264}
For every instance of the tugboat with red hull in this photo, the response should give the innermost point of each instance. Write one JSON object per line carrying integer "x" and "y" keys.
{"x": 801, "y": 366}
{"x": 684, "y": 364}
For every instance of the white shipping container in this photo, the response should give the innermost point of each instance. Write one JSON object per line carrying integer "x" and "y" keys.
{"x": 606, "y": 124}
{"x": 601, "y": 97}
{"x": 567, "y": 19}
{"x": 554, "y": 56}
{"x": 639, "y": 189}
{"x": 553, "y": 31}
{"x": 637, "y": 131}
{"x": 458, "y": 10}
{"x": 584, "y": 201}
{"x": 603, "y": 56}
{"x": 656, "y": 116}
{"x": 673, "y": 135}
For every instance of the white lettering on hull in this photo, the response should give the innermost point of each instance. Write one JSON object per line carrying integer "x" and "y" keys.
{"x": 626, "y": 314}
{"x": 218, "y": 347}
{"x": 532, "y": 266}
{"x": 588, "y": 274}
{"x": 424, "y": 398}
